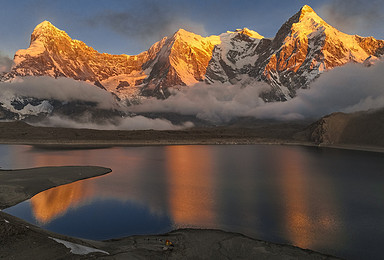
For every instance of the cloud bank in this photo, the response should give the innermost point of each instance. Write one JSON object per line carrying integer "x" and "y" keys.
{"x": 128, "y": 123}
{"x": 63, "y": 89}
{"x": 350, "y": 88}
{"x": 67, "y": 90}
{"x": 217, "y": 103}
{"x": 5, "y": 63}
{"x": 345, "y": 89}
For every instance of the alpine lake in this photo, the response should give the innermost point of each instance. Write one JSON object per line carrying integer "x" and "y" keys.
{"x": 327, "y": 200}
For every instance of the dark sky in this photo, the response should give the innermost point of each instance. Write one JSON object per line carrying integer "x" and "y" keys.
{"x": 131, "y": 26}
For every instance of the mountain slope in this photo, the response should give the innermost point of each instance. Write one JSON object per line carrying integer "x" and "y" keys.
{"x": 303, "y": 48}
{"x": 183, "y": 60}
{"x": 360, "y": 128}
{"x": 52, "y": 52}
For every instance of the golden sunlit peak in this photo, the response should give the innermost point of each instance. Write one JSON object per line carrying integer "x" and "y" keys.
{"x": 182, "y": 32}
{"x": 44, "y": 29}
{"x": 249, "y": 32}
{"x": 44, "y": 24}
{"x": 306, "y": 9}
{"x": 306, "y": 12}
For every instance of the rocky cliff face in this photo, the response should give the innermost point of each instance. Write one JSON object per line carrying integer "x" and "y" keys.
{"x": 360, "y": 128}
{"x": 53, "y": 53}
{"x": 303, "y": 48}
{"x": 182, "y": 60}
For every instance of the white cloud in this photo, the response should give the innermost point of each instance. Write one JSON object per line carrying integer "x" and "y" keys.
{"x": 63, "y": 89}
{"x": 128, "y": 123}
{"x": 347, "y": 89}
{"x": 344, "y": 89}
{"x": 216, "y": 103}
{"x": 350, "y": 88}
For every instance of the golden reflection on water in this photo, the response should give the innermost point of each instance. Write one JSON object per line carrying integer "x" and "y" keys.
{"x": 54, "y": 202}
{"x": 130, "y": 182}
{"x": 295, "y": 194}
{"x": 191, "y": 185}
{"x": 187, "y": 190}
{"x": 301, "y": 219}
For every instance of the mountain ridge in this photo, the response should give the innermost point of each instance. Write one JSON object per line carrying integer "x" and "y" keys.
{"x": 303, "y": 48}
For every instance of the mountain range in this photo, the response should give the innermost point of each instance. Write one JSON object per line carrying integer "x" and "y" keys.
{"x": 303, "y": 48}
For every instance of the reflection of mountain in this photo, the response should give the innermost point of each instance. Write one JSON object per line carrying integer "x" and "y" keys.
{"x": 276, "y": 191}
{"x": 303, "y": 223}
{"x": 191, "y": 183}
{"x": 54, "y": 202}
{"x": 184, "y": 188}
{"x": 131, "y": 180}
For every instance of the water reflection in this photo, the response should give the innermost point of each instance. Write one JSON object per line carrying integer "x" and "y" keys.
{"x": 295, "y": 193}
{"x": 137, "y": 173}
{"x": 191, "y": 184}
{"x": 301, "y": 185}
{"x": 55, "y": 202}
{"x": 326, "y": 201}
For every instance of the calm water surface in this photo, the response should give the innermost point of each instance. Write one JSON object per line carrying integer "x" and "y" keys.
{"x": 326, "y": 200}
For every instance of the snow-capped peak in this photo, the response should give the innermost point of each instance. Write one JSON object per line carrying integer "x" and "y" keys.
{"x": 44, "y": 24}
{"x": 308, "y": 23}
{"x": 302, "y": 49}
{"x": 248, "y": 32}
{"x": 181, "y": 32}
{"x": 307, "y": 13}
{"x": 306, "y": 9}
{"x": 44, "y": 28}
{"x": 193, "y": 38}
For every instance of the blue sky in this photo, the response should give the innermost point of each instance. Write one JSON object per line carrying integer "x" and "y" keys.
{"x": 131, "y": 26}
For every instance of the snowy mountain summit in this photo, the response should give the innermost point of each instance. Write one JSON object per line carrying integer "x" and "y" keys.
{"x": 303, "y": 48}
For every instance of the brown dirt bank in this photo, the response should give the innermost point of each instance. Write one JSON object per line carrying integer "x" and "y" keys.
{"x": 21, "y": 240}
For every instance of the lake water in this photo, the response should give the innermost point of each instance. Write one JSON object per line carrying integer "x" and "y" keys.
{"x": 326, "y": 200}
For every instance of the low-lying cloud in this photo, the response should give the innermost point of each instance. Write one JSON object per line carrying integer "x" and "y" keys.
{"x": 217, "y": 103}
{"x": 127, "y": 123}
{"x": 350, "y": 88}
{"x": 68, "y": 90}
{"x": 345, "y": 89}
{"x": 62, "y": 89}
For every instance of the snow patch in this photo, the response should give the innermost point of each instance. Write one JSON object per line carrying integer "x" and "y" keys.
{"x": 78, "y": 249}
{"x": 129, "y": 92}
